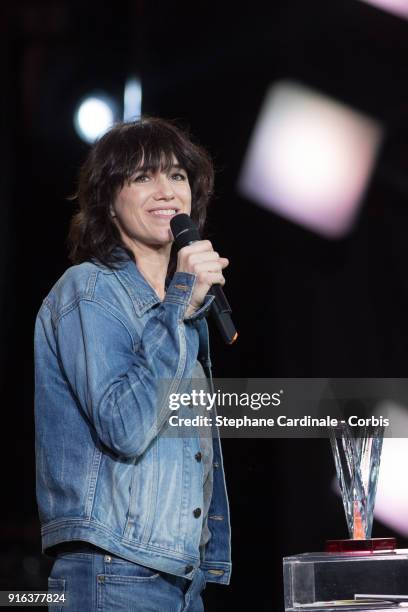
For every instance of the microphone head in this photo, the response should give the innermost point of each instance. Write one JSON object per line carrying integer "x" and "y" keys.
{"x": 184, "y": 230}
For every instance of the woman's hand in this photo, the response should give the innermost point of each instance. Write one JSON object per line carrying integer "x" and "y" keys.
{"x": 200, "y": 259}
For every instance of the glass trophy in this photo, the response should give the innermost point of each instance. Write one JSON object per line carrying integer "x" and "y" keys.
{"x": 351, "y": 573}
{"x": 357, "y": 456}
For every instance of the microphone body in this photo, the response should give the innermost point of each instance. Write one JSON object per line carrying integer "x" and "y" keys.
{"x": 185, "y": 233}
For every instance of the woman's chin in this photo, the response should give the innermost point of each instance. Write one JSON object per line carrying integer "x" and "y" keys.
{"x": 165, "y": 236}
{"x": 162, "y": 239}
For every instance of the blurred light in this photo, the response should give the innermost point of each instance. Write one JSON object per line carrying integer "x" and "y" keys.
{"x": 132, "y": 108}
{"x": 94, "y": 116}
{"x": 397, "y": 7}
{"x": 310, "y": 158}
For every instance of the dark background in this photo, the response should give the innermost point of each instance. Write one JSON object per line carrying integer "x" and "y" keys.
{"x": 304, "y": 306}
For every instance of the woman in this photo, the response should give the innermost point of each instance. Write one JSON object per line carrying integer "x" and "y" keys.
{"x": 137, "y": 519}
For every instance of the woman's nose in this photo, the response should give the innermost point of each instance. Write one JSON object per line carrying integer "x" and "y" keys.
{"x": 164, "y": 189}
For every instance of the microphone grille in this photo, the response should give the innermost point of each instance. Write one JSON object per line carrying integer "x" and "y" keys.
{"x": 184, "y": 230}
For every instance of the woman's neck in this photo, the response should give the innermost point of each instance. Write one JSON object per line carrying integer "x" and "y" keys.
{"x": 153, "y": 263}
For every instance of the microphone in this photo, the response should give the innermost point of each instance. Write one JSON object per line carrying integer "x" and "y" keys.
{"x": 185, "y": 232}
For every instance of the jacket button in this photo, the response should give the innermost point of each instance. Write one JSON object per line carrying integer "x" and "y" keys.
{"x": 189, "y": 569}
{"x": 198, "y": 456}
{"x": 197, "y": 512}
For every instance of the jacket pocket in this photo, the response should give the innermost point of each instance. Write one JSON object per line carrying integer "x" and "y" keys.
{"x": 142, "y": 497}
{"x": 125, "y": 584}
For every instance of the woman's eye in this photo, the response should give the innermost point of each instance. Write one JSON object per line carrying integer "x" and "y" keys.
{"x": 141, "y": 178}
{"x": 178, "y": 176}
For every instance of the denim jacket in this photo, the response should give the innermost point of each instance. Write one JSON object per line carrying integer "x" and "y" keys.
{"x": 105, "y": 472}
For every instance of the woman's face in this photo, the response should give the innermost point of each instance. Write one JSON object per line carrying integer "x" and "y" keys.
{"x": 145, "y": 205}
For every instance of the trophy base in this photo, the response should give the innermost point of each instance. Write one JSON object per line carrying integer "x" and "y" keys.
{"x": 361, "y": 546}
{"x": 330, "y": 581}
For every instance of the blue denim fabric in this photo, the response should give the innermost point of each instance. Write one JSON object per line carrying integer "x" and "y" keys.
{"x": 105, "y": 473}
{"x": 104, "y": 583}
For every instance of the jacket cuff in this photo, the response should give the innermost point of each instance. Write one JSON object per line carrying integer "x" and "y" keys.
{"x": 180, "y": 289}
{"x": 202, "y": 311}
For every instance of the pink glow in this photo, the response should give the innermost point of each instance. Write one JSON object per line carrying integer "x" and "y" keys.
{"x": 397, "y": 7}
{"x": 310, "y": 158}
{"x": 391, "y": 506}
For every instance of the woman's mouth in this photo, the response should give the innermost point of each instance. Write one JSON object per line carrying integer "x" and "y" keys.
{"x": 164, "y": 212}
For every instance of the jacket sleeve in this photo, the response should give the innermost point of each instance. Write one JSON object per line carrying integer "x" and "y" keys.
{"x": 121, "y": 385}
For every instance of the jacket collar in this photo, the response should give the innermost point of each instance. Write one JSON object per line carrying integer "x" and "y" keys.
{"x": 142, "y": 294}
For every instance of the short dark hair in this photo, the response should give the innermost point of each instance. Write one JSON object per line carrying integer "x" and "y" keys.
{"x": 149, "y": 142}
